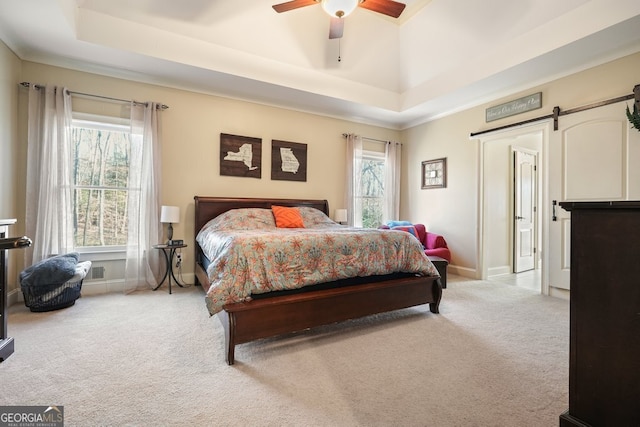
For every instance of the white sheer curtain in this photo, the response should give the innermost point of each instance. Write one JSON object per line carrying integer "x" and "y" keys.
{"x": 353, "y": 196}
{"x": 144, "y": 229}
{"x": 49, "y": 211}
{"x": 392, "y": 169}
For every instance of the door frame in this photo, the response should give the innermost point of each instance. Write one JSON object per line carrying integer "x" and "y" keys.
{"x": 544, "y": 128}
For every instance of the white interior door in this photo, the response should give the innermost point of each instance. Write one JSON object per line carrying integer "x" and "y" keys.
{"x": 524, "y": 209}
{"x": 587, "y": 161}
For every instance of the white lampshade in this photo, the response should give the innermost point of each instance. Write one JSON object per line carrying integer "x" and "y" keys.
{"x": 339, "y": 8}
{"x": 170, "y": 214}
{"x": 341, "y": 215}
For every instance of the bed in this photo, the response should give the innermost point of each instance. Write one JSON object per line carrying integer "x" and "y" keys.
{"x": 273, "y": 312}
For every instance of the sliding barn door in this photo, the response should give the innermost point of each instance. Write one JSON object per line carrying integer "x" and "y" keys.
{"x": 588, "y": 161}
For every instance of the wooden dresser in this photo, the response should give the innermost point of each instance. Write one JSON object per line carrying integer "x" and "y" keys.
{"x": 604, "y": 360}
{"x": 6, "y": 342}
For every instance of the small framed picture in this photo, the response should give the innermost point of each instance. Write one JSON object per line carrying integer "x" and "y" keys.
{"x": 434, "y": 173}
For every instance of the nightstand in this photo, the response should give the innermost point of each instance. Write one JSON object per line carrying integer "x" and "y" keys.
{"x": 169, "y": 252}
{"x": 441, "y": 265}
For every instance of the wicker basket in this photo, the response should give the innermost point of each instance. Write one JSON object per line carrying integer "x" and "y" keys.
{"x": 52, "y": 297}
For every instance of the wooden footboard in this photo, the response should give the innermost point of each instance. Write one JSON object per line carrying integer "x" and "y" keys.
{"x": 262, "y": 318}
{"x": 279, "y": 315}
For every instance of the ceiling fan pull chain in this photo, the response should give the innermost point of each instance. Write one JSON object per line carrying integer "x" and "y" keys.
{"x": 339, "y": 57}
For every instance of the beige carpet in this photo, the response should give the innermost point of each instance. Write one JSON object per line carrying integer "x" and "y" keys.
{"x": 497, "y": 355}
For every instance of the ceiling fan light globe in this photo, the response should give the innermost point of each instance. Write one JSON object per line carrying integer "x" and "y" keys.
{"x": 339, "y": 8}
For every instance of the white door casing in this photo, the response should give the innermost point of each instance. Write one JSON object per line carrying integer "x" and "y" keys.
{"x": 495, "y": 207}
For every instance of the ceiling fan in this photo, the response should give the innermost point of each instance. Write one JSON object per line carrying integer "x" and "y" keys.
{"x": 339, "y": 9}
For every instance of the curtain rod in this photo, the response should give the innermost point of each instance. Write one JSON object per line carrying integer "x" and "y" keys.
{"x": 373, "y": 139}
{"x": 557, "y": 112}
{"x": 161, "y": 106}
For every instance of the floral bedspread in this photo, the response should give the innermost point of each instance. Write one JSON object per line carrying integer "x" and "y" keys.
{"x": 250, "y": 256}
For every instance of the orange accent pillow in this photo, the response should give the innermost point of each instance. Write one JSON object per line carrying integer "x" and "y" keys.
{"x": 287, "y": 217}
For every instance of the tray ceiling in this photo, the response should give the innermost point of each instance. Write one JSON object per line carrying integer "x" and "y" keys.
{"x": 439, "y": 57}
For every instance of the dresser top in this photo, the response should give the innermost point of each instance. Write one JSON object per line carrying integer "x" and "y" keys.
{"x": 7, "y": 221}
{"x": 619, "y": 204}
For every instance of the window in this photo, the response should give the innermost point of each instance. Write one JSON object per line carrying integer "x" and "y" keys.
{"x": 372, "y": 188}
{"x": 100, "y": 154}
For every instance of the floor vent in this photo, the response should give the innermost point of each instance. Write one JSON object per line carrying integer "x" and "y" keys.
{"x": 97, "y": 273}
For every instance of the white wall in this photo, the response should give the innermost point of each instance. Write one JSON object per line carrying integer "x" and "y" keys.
{"x": 192, "y": 125}
{"x": 454, "y": 211}
{"x": 191, "y": 130}
{"x": 10, "y": 197}
{"x": 450, "y": 211}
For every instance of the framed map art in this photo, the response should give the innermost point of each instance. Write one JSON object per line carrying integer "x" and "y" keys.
{"x": 240, "y": 156}
{"x": 288, "y": 161}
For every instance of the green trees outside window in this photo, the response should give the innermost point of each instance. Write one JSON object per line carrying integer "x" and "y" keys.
{"x": 100, "y": 166}
{"x": 372, "y": 190}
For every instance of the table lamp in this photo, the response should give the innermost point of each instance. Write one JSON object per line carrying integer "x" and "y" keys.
{"x": 171, "y": 215}
{"x": 341, "y": 216}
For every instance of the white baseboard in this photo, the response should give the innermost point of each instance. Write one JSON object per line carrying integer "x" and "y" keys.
{"x": 14, "y": 297}
{"x": 97, "y": 287}
{"x": 499, "y": 271}
{"x": 189, "y": 278}
{"x": 560, "y": 293}
{"x": 469, "y": 273}
{"x": 88, "y": 288}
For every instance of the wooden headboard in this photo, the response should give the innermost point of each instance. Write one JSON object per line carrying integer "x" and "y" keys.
{"x": 207, "y": 208}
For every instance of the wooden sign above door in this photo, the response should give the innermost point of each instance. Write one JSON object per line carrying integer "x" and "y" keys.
{"x": 517, "y": 106}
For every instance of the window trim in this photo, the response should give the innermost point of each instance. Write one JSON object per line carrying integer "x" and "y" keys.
{"x": 373, "y": 155}
{"x": 118, "y": 123}
{"x": 107, "y": 123}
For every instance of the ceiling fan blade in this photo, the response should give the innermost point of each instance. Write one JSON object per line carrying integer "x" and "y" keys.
{"x": 336, "y": 28}
{"x": 386, "y": 7}
{"x": 290, "y": 5}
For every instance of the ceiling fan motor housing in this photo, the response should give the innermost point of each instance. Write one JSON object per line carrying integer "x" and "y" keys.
{"x": 339, "y": 8}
